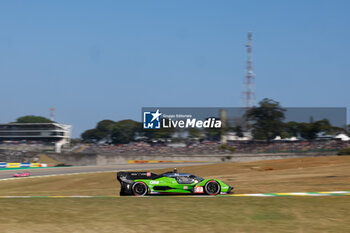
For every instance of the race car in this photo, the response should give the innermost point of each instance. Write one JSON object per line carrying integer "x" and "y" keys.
{"x": 146, "y": 183}
{"x": 22, "y": 174}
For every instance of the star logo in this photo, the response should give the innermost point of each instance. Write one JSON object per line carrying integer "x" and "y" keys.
{"x": 156, "y": 115}
{"x": 151, "y": 120}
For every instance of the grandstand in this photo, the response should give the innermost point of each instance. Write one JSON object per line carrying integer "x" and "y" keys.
{"x": 37, "y": 132}
{"x": 213, "y": 148}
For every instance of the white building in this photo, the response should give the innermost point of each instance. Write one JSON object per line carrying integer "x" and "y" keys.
{"x": 46, "y": 132}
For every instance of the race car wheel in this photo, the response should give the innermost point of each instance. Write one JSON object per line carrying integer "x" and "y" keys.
{"x": 139, "y": 189}
{"x": 212, "y": 187}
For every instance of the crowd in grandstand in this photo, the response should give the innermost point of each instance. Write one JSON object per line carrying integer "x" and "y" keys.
{"x": 15, "y": 156}
{"x": 161, "y": 148}
{"x": 298, "y": 146}
{"x": 215, "y": 147}
{"x": 25, "y": 145}
{"x": 155, "y": 148}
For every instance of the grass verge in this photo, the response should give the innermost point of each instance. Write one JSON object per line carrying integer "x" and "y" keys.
{"x": 167, "y": 214}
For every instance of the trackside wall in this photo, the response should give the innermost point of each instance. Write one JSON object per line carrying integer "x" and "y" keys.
{"x": 105, "y": 159}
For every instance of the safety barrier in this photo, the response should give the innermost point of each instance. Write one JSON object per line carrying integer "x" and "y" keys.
{"x": 164, "y": 161}
{"x": 21, "y": 165}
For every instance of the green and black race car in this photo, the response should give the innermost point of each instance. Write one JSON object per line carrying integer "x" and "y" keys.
{"x": 145, "y": 183}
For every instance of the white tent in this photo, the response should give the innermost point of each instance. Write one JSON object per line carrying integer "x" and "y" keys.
{"x": 342, "y": 137}
{"x": 277, "y": 138}
{"x": 292, "y": 139}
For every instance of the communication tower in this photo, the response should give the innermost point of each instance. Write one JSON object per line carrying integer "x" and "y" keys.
{"x": 52, "y": 114}
{"x": 249, "y": 92}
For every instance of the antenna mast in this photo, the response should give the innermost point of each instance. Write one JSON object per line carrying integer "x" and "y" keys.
{"x": 249, "y": 93}
{"x": 52, "y": 114}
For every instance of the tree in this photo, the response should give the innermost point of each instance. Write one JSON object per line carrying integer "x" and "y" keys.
{"x": 238, "y": 130}
{"x": 326, "y": 127}
{"x": 33, "y": 119}
{"x": 214, "y": 134}
{"x": 267, "y": 119}
{"x": 105, "y": 125}
{"x": 124, "y": 131}
{"x": 162, "y": 133}
{"x": 323, "y": 125}
{"x": 105, "y": 128}
{"x": 194, "y": 133}
{"x": 292, "y": 129}
{"x": 91, "y": 135}
{"x": 308, "y": 131}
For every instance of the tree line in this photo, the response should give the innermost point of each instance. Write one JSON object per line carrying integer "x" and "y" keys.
{"x": 265, "y": 121}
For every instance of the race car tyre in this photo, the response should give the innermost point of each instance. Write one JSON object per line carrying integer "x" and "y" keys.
{"x": 123, "y": 189}
{"x": 139, "y": 189}
{"x": 212, "y": 187}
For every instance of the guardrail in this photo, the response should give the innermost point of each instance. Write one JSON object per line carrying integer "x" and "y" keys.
{"x": 21, "y": 165}
{"x": 166, "y": 161}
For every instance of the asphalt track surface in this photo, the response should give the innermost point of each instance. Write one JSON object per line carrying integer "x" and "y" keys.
{"x": 4, "y": 174}
{"x": 305, "y": 194}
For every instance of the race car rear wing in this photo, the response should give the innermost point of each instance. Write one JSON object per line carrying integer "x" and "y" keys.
{"x": 125, "y": 176}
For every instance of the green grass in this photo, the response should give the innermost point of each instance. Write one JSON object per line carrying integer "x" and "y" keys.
{"x": 187, "y": 214}
{"x": 176, "y": 214}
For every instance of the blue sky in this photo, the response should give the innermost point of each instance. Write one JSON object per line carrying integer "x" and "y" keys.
{"x": 95, "y": 60}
